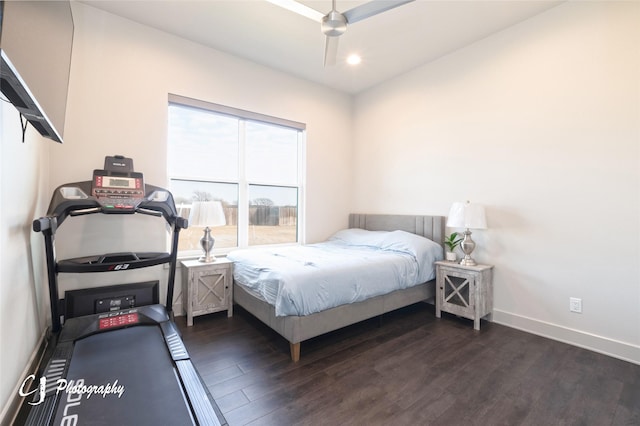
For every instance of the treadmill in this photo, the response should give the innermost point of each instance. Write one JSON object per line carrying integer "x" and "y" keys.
{"x": 125, "y": 366}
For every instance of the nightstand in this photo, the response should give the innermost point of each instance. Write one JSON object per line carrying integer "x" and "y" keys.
{"x": 207, "y": 287}
{"x": 466, "y": 291}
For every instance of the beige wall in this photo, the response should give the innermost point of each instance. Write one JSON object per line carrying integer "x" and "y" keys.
{"x": 541, "y": 124}
{"x": 24, "y": 174}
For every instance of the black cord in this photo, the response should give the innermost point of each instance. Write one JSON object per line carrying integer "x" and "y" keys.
{"x": 23, "y": 124}
{"x": 23, "y": 120}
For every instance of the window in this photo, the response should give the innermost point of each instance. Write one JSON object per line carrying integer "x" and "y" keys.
{"x": 240, "y": 172}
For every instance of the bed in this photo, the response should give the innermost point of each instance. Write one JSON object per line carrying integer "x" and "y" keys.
{"x": 296, "y": 326}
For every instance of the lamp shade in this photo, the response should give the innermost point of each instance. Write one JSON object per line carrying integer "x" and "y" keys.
{"x": 207, "y": 213}
{"x": 467, "y": 215}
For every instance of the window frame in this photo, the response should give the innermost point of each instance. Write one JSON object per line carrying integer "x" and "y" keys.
{"x": 243, "y": 183}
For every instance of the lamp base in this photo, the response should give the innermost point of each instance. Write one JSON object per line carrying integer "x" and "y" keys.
{"x": 468, "y": 262}
{"x": 207, "y": 242}
{"x": 467, "y": 246}
{"x": 206, "y": 259}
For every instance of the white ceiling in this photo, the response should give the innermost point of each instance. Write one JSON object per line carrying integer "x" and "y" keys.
{"x": 390, "y": 43}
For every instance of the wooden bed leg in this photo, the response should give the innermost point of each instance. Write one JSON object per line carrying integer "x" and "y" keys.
{"x": 295, "y": 351}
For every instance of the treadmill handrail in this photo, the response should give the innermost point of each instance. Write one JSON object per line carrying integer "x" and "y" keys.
{"x": 148, "y": 211}
{"x": 101, "y": 263}
{"x": 81, "y": 212}
{"x": 60, "y": 207}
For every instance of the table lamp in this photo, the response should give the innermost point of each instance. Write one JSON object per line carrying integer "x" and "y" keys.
{"x": 207, "y": 214}
{"x": 469, "y": 216}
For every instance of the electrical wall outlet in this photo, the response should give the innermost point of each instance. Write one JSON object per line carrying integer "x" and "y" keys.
{"x": 575, "y": 305}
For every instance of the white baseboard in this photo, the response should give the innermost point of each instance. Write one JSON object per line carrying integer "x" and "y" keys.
{"x": 12, "y": 407}
{"x": 604, "y": 345}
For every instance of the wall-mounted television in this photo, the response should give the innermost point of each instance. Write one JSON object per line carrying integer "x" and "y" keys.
{"x": 36, "y": 38}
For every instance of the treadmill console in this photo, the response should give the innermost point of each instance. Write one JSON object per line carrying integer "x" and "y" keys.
{"x": 118, "y": 188}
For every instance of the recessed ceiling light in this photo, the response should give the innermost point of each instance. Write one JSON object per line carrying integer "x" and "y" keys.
{"x": 354, "y": 59}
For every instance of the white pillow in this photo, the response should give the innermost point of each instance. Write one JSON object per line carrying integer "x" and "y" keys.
{"x": 359, "y": 237}
{"x": 424, "y": 250}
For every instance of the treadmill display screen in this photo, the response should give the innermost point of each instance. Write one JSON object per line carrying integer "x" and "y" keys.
{"x": 118, "y": 321}
{"x": 121, "y": 183}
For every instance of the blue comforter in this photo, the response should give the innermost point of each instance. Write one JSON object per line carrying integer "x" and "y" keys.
{"x": 351, "y": 266}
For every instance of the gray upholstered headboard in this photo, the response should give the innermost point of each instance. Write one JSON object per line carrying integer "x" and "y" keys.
{"x": 431, "y": 227}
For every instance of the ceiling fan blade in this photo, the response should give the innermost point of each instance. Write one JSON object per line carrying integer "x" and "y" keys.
{"x": 330, "y": 51}
{"x": 299, "y": 8}
{"x": 371, "y": 8}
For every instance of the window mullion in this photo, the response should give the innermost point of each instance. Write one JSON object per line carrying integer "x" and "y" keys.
{"x": 301, "y": 185}
{"x": 243, "y": 188}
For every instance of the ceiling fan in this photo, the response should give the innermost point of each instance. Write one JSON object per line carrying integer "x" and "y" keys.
{"x": 334, "y": 23}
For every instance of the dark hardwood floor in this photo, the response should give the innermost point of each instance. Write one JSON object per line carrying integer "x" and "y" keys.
{"x": 408, "y": 368}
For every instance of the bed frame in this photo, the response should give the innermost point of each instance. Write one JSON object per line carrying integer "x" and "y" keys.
{"x": 297, "y": 329}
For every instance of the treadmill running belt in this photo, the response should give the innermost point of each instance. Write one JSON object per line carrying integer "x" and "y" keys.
{"x": 137, "y": 357}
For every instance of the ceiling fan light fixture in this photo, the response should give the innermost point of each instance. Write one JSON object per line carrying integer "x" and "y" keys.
{"x": 334, "y": 24}
{"x": 354, "y": 59}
